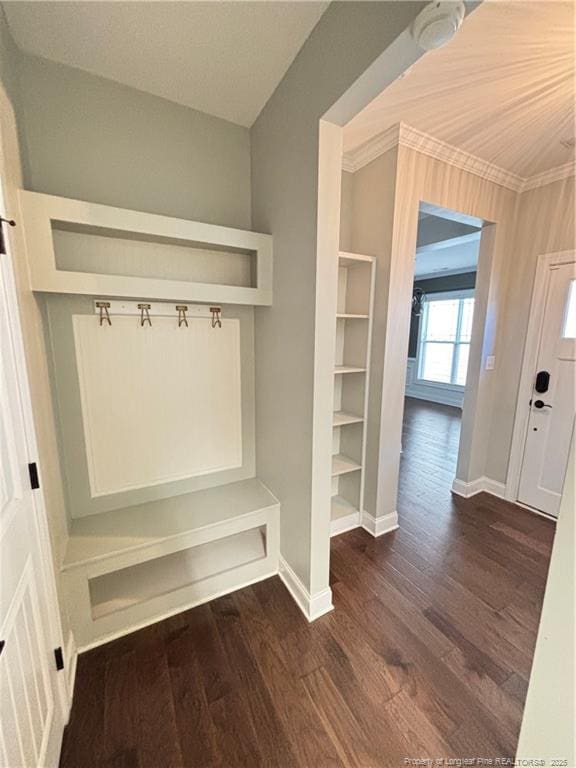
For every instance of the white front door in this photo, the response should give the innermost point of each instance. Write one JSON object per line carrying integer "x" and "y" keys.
{"x": 553, "y": 398}
{"x": 31, "y": 715}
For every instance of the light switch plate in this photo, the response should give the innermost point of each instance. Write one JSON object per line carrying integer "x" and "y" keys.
{"x": 490, "y": 362}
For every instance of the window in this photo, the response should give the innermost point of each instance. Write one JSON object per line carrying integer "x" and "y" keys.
{"x": 445, "y": 331}
{"x": 569, "y": 328}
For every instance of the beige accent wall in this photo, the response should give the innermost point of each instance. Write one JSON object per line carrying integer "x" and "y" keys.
{"x": 385, "y": 200}
{"x": 523, "y": 226}
{"x": 369, "y": 210}
{"x": 544, "y": 224}
{"x": 346, "y": 195}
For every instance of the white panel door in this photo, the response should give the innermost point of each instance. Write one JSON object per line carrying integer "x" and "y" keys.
{"x": 31, "y": 718}
{"x": 553, "y": 402}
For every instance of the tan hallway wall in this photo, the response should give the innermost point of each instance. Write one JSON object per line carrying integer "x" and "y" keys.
{"x": 545, "y": 224}
{"x": 420, "y": 178}
{"x": 368, "y": 219}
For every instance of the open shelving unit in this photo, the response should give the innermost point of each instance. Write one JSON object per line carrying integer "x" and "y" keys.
{"x": 351, "y": 374}
{"x": 77, "y": 247}
{"x": 126, "y": 567}
{"x": 149, "y": 330}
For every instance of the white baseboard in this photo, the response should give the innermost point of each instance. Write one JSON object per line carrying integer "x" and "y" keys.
{"x": 435, "y": 395}
{"x": 482, "y": 484}
{"x": 378, "y": 526}
{"x": 495, "y": 488}
{"x": 343, "y": 524}
{"x": 312, "y": 606}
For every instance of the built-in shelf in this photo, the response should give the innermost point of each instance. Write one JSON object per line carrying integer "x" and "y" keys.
{"x": 341, "y": 418}
{"x": 156, "y": 524}
{"x": 128, "y": 567}
{"x": 341, "y": 465}
{"x": 339, "y": 507}
{"x": 146, "y": 581}
{"x": 344, "y": 516}
{"x": 78, "y": 247}
{"x": 354, "y": 315}
{"x": 346, "y": 259}
{"x": 348, "y": 369}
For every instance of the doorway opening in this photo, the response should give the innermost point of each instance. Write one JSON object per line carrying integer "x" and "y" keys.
{"x": 441, "y": 323}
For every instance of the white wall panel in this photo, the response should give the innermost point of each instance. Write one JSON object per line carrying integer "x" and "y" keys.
{"x": 159, "y": 403}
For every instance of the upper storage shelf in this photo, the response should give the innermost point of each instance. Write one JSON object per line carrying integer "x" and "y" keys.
{"x": 79, "y": 247}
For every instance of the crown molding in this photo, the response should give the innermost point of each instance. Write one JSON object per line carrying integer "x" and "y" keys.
{"x": 357, "y": 158}
{"x": 549, "y": 177}
{"x": 447, "y": 153}
{"x": 404, "y": 135}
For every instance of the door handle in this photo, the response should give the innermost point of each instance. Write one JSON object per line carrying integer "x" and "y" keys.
{"x": 541, "y": 404}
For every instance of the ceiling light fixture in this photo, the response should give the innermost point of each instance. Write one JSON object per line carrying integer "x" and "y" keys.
{"x": 437, "y": 23}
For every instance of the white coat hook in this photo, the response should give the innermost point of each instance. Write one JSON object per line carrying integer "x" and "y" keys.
{"x": 104, "y": 306}
{"x": 216, "y": 316}
{"x": 145, "y": 314}
{"x": 182, "y": 309}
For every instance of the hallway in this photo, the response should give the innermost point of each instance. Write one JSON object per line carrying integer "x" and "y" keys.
{"x": 427, "y": 654}
{"x": 430, "y": 438}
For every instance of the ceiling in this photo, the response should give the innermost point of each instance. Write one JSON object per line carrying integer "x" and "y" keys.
{"x": 450, "y": 260}
{"x": 223, "y": 58}
{"x": 445, "y": 244}
{"x": 502, "y": 90}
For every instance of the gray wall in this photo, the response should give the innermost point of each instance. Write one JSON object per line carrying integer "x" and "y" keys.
{"x": 8, "y": 60}
{"x": 438, "y": 285}
{"x": 92, "y": 139}
{"x": 348, "y": 38}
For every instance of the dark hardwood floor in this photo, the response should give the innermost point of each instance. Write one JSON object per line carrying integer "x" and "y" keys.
{"x": 427, "y": 654}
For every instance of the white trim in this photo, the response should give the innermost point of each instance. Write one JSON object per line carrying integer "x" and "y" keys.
{"x": 447, "y": 395}
{"x": 71, "y": 662}
{"x": 447, "y": 153}
{"x": 407, "y": 136}
{"x": 549, "y": 177}
{"x": 535, "y": 511}
{"x": 39, "y": 210}
{"x": 529, "y": 361}
{"x": 357, "y": 158}
{"x": 481, "y": 485}
{"x": 378, "y": 526}
{"x": 494, "y": 488}
{"x": 344, "y": 524}
{"x": 312, "y": 606}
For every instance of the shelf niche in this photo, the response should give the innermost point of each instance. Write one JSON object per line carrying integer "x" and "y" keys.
{"x": 101, "y": 251}
{"x": 145, "y": 581}
{"x": 351, "y": 369}
{"x": 76, "y": 247}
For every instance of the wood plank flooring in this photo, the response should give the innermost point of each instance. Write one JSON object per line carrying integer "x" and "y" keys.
{"x": 427, "y": 654}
